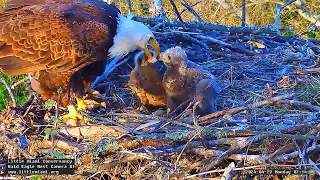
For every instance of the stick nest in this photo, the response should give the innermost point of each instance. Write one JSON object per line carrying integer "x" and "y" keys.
{"x": 268, "y": 114}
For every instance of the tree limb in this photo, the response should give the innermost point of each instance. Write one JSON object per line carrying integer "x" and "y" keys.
{"x": 176, "y": 10}
{"x": 242, "y": 108}
{"x": 278, "y": 10}
{"x": 190, "y": 9}
{"x": 211, "y": 27}
{"x": 243, "y": 17}
{"x": 13, "y": 99}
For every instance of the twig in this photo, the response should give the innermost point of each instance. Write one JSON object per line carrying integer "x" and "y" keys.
{"x": 196, "y": 134}
{"x": 303, "y": 104}
{"x": 312, "y": 70}
{"x": 168, "y": 164}
{"x": 138, "y": 173}
{"x": 224, "y": 44}
{"x": 19, "y": 82}
{"x": 237, "y": 157}
{"x": 242, "y": 108}
{"x": 130, "y": 8}
{"x": 218, "y": 8}
{"x": 285, "y": 157}
{"x": 243, "y": 18}
{"x": 111, "y": 122}
{"x": 305, "y": 13}
{"x": 176, "y": 10}
{"x": 209, "y": 27}
{"x": 13, "y": 99}
{"x": 28, "y": 103}
{"x": 194, "y": 145}
{"x": 227, "y": 172}
{"x": 315, "y": 167}
{"x": 312, "y": 28}
{"x": 5, "y": 139}
{"x": 194, "y": 40}
{"x": 185, "y": 9}
{"x": 93, "y": 131}
{"x": 281, "y": 150}
{"x": 220, "y": 158}
{"x": 210, "y": 162}
{"x": 157, "y": 10}
{"x": 194, "y": 13}
{"x": 278, "y": 10}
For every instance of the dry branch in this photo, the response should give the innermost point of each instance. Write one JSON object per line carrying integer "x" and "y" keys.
{"x": 210, "y": 27}
{"x": 278, "y": 11}
{"x": 302, "y": 104}
{"x": 243, "y": 17}
{"x": 5, "y": 139}
{"x": 13, "y": 99}
{"x": 190, "y": 9}
{"x": 175, "y": 9}
{"x": 306, "y": 14}
{"x": 242, "y": 108}
{"x": 94, "y": 131}
{"x": 19, "y": 82}
{"x": 185, "y": 9}
{"x": 156, "y": 9}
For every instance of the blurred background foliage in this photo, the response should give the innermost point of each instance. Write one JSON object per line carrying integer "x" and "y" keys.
{"x": 226, "y": 12}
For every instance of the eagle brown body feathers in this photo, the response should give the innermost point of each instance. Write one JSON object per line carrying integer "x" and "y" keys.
{"x": 60, "y": 43}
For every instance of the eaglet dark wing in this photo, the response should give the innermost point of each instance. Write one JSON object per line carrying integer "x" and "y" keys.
{"x": 60, "y": 37}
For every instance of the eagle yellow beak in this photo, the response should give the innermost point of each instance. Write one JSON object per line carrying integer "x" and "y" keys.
{"x": 153, "y": 43}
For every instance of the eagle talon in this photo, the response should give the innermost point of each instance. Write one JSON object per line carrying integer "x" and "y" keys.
{"x": 72, "y": 117}
{"x": 89, "y": 104}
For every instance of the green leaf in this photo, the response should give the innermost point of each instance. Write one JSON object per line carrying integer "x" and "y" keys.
{"x": 59, "y": 91}
{"x": 50, "y": 103}
{"x": 58, "y": 155}
{"x": 311, "y": 35}
{"x": 55, "y": 132}
{"x": 47, "y": 132}
{"x": 55, "y": 119}
{"x": 288, "y": 33}
{"x": 36, "y": 177}
{"x": 21, "y": 93}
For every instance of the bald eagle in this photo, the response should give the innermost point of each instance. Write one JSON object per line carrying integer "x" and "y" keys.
{"x": 185, "y": 80}
{"x": 64, "y": 44}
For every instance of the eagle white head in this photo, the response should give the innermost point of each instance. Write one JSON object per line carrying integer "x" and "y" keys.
{"x": 132, "y": 35}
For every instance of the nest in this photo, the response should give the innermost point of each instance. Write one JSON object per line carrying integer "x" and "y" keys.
{"x": 267, "y": 118}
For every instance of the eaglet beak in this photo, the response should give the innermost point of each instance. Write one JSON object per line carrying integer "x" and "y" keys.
{"x": 162, "y": 58}
{"x": 153, "y": 43}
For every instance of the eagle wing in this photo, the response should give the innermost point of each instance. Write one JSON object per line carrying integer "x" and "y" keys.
{"x": 63, "y": 36}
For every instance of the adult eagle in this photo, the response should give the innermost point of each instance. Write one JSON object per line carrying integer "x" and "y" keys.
{"x": 64, "y": 44}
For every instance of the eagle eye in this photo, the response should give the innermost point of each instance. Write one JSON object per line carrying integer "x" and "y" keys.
{"x": 169, "y": 57}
